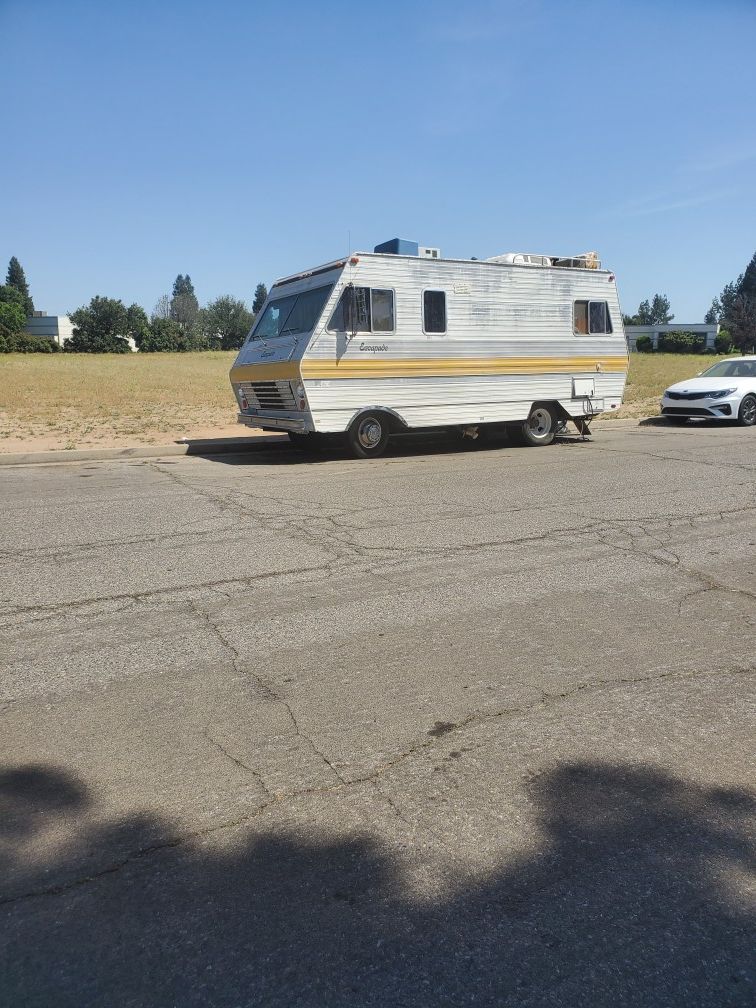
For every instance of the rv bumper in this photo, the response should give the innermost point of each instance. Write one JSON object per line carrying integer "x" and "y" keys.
{"x": 272, "y": 423}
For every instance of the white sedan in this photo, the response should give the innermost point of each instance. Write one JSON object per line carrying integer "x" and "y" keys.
{"x": 727, "y": 391}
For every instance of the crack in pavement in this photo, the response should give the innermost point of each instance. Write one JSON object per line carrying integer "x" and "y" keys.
{"x": 547, "y": 700}
{"x": 140, "y": 596}
{"x": 234, "y": 759}
{"x": 267, "y": 690}
{"x": 676, "y": 458}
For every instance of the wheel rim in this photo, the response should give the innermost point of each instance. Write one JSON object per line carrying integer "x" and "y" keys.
{"x": 749, "y": 410}
{"x": 369, "y": 433}
{"x": 540, "y": 423}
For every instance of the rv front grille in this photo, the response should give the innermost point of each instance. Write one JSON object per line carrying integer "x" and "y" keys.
{"x": 268, "y": 395}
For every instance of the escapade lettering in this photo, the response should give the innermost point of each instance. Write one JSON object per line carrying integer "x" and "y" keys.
{"x": 374, "y": 348}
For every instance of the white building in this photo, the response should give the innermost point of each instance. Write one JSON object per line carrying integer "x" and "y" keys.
{"x": 708, "y": 333}
{"x": 58, "y": 328}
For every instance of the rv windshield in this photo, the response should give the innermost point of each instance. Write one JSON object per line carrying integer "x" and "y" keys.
{"x": 296, "y": 313}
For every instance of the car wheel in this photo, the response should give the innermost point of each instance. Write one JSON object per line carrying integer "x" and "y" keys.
{"x": 368, "y": 436}
{"x": 538, "y": 430}
{"x": 747, "y": 411}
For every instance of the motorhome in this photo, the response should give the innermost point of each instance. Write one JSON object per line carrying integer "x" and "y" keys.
{"x": 400, "y": 339}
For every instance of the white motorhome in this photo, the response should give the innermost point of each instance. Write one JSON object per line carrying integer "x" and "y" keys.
{"x": 392, "y": 341}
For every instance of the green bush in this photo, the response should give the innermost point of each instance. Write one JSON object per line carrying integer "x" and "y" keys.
{"x": 723, "y": 342}
{"x": 24, "y": 343}
{"x": 12, "y": 317}
{"x": 162, "y": 336}
{"x": 681, "y": 342}
{"x": 644, "y": 344}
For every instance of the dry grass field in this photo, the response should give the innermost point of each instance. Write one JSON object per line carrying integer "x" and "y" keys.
{"x": 81, "y": 401}
{"x": 102, "y": 400}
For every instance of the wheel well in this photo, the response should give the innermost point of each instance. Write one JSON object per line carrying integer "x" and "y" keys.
{"x": 393, "y": 421}
{"x": 555, "y": 405}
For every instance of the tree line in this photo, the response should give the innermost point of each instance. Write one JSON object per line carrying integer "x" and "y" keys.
{"x": 107, "y": 325}
{"x": 178, "y": 323}
{"x": 734, "y": 311}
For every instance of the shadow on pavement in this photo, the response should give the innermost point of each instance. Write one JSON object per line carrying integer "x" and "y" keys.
{"x": 404, "y": 446}
{"x": 634, "y": 894}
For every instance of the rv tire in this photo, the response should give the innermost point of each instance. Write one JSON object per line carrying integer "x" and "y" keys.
{"x": 368, "y": 435}
{"x": 538, "y": 430}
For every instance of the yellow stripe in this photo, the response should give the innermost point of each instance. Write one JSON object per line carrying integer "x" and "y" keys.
{"x": 451, "y": 367}
{"x": 457, "y": 366}
{"x": 276, "y": 371}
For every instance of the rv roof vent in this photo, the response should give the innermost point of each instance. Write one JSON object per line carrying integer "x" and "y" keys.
{"x": 521, "y": 259}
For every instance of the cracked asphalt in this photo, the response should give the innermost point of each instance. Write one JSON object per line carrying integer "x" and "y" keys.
{"x": 456, "y": 726}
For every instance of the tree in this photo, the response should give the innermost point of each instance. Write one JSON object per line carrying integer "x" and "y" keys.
{"x": 16, "y": 278}
{"x": 163, "y": 335}
{"x": 12, "y": 310}
{"x": 655, "y": 313}
{"x": 748, "y": 282}
{"x": 184, "y": 303}
{"x": 226, "y": 322}
{"x": 261, "y": 293}
{"x": 735, "y": 308}
{"x": 742, "y": 322}
{"x": 100, "y": 327}
{"x": 660, "y": 314}
{"x": 137, "y": 323}
{"x": 162, "y": 309}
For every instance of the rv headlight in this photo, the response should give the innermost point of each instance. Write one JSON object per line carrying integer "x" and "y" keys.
{"x": 299, "y": 394}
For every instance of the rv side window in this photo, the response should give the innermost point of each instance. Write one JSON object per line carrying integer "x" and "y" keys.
{"x": 598, "y": 317}
{"x": 373, "y": 311}
{"x": 382, "y": 302}
{"x": 592, "y": 318}
{"x": 353, "y": 300}
{"x": 581, "y": 318}
{"x": 434, "y": 311}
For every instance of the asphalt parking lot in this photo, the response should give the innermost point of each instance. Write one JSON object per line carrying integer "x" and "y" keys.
{"x": 450, "y": 727}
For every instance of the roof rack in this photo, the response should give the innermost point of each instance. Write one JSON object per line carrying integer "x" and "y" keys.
{"x": 586, "y": 260}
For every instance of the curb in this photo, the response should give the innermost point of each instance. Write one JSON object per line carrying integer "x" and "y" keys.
{"x": 210, "y": 446}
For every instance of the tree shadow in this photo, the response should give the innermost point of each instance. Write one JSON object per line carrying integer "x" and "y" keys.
{"x": 633, "y": 893}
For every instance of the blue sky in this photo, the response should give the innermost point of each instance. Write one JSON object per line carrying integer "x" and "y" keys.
{"x": 240, "y": 141}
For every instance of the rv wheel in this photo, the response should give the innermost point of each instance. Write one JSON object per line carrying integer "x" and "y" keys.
{"x": 538, "y": 430}
{"x": 368, "y": 435}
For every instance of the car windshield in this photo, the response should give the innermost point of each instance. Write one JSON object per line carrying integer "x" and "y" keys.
{"x": 731, "y": 369}
{"x": 296, "y": 313}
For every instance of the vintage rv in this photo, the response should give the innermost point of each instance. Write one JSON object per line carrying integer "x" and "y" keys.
{"x": 401, "y": 339}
